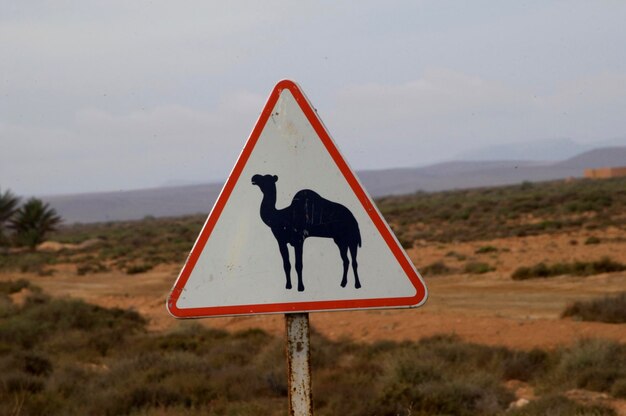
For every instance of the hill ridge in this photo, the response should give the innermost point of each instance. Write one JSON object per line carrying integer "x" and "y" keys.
{"x": 454, "y": 174}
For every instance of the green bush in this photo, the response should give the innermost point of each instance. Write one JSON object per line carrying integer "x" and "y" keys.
{"x": 619, "y": 388}
{"x": 193, "y": 338}
{"x": 486, "y": 249}
{"x": 13, "y": 286}
{"x": 26, "y": 262}
{"x": 579, "y": 268}
{"x": 42, "y": 317}
{"x": 538, "y": 270}
{"x": 453, "y": 397}
{"x": 458, "y": 256}
{"x": 609, "y": 309}
{"x": 591, "y": 364}
{"x": 474, "y": 267}
{"x": 37, "y": 365}
{"x": 139, "y": 268}
{"x": 440, "y": 375}
{"x": 524, "y": 365}
{"x": 435, "y": 269}
{"x": 592, "y": 240}
{"x": 90, "y": 267}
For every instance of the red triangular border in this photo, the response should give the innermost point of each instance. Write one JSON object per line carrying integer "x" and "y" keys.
{"x": 309, "y": 306}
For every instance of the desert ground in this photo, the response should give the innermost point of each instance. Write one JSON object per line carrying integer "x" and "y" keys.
{"x": 488, "y": 308}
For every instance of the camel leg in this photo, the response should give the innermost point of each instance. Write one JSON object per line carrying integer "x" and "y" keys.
{"x": 343, "y": 251}
{"x": 298, "y": 250}
{"x": 284, "y": 252}
{"x": 355, "y": 265}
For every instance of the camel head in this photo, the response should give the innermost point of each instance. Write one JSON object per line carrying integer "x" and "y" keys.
{"x": 265, "y": 182}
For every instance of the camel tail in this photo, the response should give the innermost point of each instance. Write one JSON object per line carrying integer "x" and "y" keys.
{"x": 358, "y": 233}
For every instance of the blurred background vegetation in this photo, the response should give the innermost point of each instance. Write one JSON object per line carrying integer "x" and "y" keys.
{"x": 67, "y": 357}
{"x": 63, "y": 356}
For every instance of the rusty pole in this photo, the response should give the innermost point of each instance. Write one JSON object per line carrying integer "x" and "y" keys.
{"x": 299, "y": 364}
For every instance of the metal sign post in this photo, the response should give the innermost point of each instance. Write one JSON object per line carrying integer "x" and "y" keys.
{"x": 299, "y": 364}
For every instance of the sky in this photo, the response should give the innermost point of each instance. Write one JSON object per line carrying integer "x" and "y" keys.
{"x": 115, "y": 95}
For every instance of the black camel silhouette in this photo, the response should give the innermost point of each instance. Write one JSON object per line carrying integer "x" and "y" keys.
{"x": 309, "y": 215}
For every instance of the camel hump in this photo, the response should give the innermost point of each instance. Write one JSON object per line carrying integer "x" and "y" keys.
{"x": 307, "y": 199}
{"x": 307, "y": 194}
{"x": 324, "y": 218}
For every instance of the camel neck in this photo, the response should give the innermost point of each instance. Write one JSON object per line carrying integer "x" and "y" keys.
{"x": 268, "y": 205}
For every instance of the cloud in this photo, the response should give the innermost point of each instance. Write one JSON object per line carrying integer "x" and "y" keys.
{"x": 429, "y": 119}
{"x": 121, "y": 55}
{"x": 115, "y": 95}
{"x": 103, "y": 151}
{"x": 444, "y": 113}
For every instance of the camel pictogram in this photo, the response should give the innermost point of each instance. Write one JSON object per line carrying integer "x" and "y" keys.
{"x": 309, "y": 215}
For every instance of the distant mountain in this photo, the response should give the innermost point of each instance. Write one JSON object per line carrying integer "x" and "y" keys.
{"x": 191, "y": 199}
{"x": 597, "y": 158}
{"x": 557, "y": 149}
{"x": 460, "y": 174}
{"x": 136, "y": 204}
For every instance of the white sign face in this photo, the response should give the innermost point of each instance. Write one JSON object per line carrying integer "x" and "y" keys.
{"x": 293, "y": 230}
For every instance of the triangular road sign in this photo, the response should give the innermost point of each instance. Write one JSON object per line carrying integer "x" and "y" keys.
{"x": 292, "y": 206}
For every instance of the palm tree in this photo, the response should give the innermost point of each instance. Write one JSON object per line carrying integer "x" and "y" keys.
{"x": 8, "y": 206}
{"x": 32, "y": 221}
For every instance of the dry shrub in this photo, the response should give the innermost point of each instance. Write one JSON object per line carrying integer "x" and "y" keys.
{"x": 579, "y": 268}
{"x": 13, "y": 286}
{"x": 593, "y": 364}
{"x": 486, "y": 249}
{"x": 63, "y": 357}
{"x": 435, "y": 269}
{"x": 474, "y": 267}
{"x": 609, "y": 309}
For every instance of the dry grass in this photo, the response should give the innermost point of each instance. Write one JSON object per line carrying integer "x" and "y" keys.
{"x": 609, "y": 309}
{"x": 66, "y": 357}
{"x": 578, "y": 268}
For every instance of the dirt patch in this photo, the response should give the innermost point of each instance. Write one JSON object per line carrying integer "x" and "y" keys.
{"x": 54, "y": 246}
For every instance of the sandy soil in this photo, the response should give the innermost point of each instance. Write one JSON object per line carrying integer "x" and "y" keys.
{"x": 489, "y": 309}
